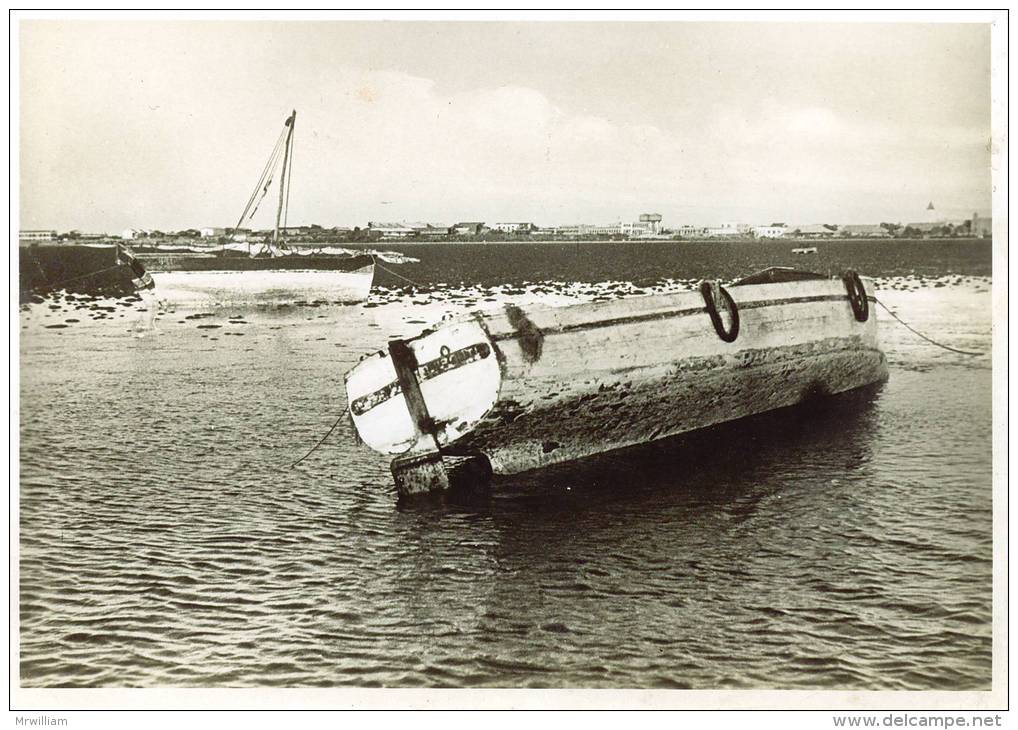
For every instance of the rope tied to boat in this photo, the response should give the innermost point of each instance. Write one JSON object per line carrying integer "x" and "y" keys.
{"x": 333, "y": 428}
{"x": 398, "y": 276}
{"x": 920, "y": 334}
{"x": 55, "y": 286}
{"x": 320, "y": 441}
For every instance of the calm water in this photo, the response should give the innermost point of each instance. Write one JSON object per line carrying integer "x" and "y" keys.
{"x": 164, "y": 540}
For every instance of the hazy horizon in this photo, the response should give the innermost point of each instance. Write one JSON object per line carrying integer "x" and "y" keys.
{"x": 167, "y": 124}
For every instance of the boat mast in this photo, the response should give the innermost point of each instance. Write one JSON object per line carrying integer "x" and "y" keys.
{"x": 282, "y": 176}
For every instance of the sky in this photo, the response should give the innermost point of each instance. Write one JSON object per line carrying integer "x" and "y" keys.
{"x": 167, "y": 124}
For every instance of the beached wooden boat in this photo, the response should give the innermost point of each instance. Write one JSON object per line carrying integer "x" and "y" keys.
{"x": 518, "y": 389}
{"x": 228, "y": 265}
{"x": 228, "y": 269}
{"x": 195, "y": 276}
{"x": 248, "y": 280}
{"x": 96, "y": 270}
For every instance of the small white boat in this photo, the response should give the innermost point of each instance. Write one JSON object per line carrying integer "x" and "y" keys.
{"x": 514, "y": 390}
{"x": 808, "y": 249}
{"x": 257, "y": 271}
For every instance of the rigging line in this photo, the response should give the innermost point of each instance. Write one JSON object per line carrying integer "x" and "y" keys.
{"x": 264, "y": 182}
{"x": 268, "y": 165}
{"x": 320, "y": 442}
{"x": 265, "y": 191}
{"x": 271, "y": 162}
{"x": 266, "y": 174}
{"x": 920, "y": 334}
{"x": 399, "y": 276}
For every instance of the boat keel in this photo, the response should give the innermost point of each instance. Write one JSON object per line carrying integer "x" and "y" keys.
{"x": 419, "y": 474}
{"x": 438, "y": 474}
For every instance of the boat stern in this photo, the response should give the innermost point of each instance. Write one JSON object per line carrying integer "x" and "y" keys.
{"x": 426, "y": 392}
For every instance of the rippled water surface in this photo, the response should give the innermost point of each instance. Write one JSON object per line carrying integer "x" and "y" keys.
{"x": 165, "y": 541}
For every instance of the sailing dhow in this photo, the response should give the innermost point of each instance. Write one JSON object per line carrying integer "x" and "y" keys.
{"x": 230, "y": 270}
{"x": 229, "y": 265}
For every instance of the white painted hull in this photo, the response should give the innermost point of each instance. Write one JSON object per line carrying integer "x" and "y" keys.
{"x": 264, "y": 287}
{"x": 564, "y": 383}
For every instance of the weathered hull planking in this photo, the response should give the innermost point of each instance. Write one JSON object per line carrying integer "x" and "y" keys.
{"x": 532, "y": 388}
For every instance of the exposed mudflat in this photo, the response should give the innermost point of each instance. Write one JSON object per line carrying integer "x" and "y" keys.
{"x": 165, "y": 540}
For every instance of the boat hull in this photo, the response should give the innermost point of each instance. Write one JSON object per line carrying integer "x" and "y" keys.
{"x": 86, "y": 270}
{"x": 233, "y": 277}
{"x": 201, "y": 279}
{"x": 588, "y": 379}
{"x": 629, "y": 408}
{"x": 265, "y": 287}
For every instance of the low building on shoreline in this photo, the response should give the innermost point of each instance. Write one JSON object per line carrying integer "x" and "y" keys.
{"x": 620, "y": 229}
{"x": 687, "y": 230}
{"x": 729, "y": 230}
{"x": 774, "y": 230}
{"x": 981, "y": 226}
{"x": 391, "y": 230}
{"x": 816, "y": 230}
{"x": 517, "y": 228}
{"x": 469, "y": 228}
{"x": 864, "y": 230}
{"x": 35, "y": 236}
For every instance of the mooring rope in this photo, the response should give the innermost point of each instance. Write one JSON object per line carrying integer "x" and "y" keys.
{"x": 320, "y": 442}
{"x": 326, "y": 436}
{"x": 52, "y": 287}
{"x": 399, "y": 276}
{"x": 920, "y": 334}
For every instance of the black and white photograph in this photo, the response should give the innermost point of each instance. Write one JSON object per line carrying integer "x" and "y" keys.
{"x": 659, "y": 358}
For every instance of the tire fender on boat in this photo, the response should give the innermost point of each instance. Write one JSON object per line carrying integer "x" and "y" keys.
{"x": 711, "y": 292}
{"x": 856, "y": 295}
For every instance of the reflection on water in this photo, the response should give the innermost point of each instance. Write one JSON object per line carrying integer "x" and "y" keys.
{"x": 164, "y": 540}
{"x": 711, "y": 463}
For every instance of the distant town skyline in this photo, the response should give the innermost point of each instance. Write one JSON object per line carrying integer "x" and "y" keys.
{"x": 167, "y": 124}
{"x": 926, "y": 216}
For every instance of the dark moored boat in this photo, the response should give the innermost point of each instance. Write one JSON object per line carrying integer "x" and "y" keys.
{"x": 107, "y": 270}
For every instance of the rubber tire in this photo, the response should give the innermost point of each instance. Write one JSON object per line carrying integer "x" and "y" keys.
{"x": 715, "y": 317}
{"x": 856, "y": 295}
